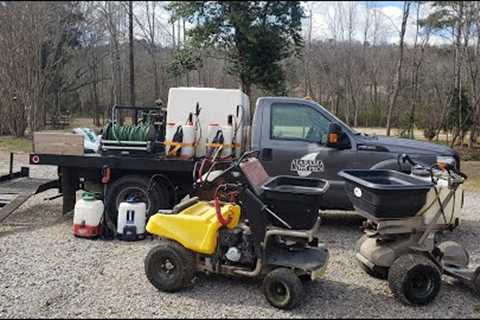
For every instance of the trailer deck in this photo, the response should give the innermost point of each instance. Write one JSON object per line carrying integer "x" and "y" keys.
{"x": 17, "y": 187}
{"x": 123, "y": 162}
{"x": 75, "y": 170}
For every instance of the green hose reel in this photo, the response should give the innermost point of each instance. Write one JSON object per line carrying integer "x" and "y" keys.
{"x": 140, "y": 132}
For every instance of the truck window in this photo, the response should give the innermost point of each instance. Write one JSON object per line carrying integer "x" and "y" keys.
{"x": 290, "y": 121}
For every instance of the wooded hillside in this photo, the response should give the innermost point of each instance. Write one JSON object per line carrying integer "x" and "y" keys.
{"x": 73, "y": 57}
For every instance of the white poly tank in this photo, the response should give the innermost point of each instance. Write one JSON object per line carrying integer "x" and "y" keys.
{"x": 87, "y": 215}
{"x": 451, "y": 210}
{"x": 188, "y": 139}
{"x": 132, "y": 218}
{"x": 227, "y": 141}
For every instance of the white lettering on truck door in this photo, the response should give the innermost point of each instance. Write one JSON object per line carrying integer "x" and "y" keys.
{"x": 307, "y": 164}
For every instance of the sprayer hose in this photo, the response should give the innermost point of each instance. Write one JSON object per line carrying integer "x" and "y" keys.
{"x": 128, "y": 133}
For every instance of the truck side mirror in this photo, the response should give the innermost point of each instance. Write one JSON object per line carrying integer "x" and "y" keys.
{"x": 334, "y": 135}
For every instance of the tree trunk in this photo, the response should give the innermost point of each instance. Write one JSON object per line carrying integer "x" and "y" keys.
{"x": 132, "y": 66}
{"x": 398, "y": 76}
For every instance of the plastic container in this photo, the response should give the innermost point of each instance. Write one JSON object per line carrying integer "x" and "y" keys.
{"x": 216, "y": 105}
{"x": 214, "y": 137}
{"x": 188, "y": 150}
{"x": 385, "y": 194}
{"x": 87, "y": 216}
{"x": 170, "y": 130}
{"x": 227, "y": 140}
{"x": 451, "y": 210}
{"x": 296, "y": 200}
{"x": 132, "y": 216}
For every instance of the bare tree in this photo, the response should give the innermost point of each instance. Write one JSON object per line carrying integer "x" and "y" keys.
{"x": 398, "y": 75}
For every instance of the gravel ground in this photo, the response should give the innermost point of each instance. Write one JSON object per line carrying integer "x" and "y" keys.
{"x": 46, "y": 272}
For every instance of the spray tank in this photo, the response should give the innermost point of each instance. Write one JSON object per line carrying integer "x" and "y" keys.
{"x": 182, "y": 140}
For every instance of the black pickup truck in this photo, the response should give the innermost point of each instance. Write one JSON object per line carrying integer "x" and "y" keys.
{"x": 292, "y": 136}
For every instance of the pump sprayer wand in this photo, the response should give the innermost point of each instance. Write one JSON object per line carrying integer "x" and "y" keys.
{"x": 237, "y": 124}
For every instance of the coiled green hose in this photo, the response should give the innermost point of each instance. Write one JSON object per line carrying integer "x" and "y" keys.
{"x": 139, "y": 132}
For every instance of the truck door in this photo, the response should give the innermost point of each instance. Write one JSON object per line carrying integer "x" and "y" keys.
{"x": 293, "y": 142}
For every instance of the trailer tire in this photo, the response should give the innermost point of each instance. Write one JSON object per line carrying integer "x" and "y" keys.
{"x": 122, "y": 188}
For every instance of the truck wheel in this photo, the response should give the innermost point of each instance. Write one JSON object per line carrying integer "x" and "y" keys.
{"x": 283, "y": 289}
{"x": 414, "y": 279}
{"x": 134, "y": 185}
{"x": 169, "y": 266}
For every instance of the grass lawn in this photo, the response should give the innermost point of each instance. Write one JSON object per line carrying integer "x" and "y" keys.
{"x": 472, "y": 170}
{"x": 17, "y": 145}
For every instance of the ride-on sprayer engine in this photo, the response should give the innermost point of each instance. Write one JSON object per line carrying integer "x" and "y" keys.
{"x": 257, "y": 227}
{"x": 406, "y": 216}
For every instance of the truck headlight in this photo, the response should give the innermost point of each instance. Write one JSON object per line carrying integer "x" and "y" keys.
{"x": 447, "y": 159}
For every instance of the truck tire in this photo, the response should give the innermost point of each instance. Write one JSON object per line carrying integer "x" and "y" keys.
{"x": 122, "y": 188}
{"x": 169, "y": 266}
{"x": 414, "y": 279}
{"x": 283, "y": 288}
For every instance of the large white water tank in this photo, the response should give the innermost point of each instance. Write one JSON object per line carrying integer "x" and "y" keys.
{"x": 87, "y": 215}
{"x": 132, "y": 217}
{"x": 216, "y": 105}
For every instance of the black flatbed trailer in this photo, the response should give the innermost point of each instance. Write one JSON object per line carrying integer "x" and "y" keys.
{"x": 117, "y": 175}
{"x": 18, "y": 187}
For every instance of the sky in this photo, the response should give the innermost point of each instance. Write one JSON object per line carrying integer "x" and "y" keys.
{"x": 387, "y": 14}
{"x": 329, "y": 16}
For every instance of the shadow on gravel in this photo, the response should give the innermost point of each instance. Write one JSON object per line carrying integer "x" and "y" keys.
{"x": 323, "y": 298}
{"x": 23, "y": 222}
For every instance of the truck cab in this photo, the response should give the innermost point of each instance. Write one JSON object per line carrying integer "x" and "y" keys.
{"x": 292, "y": 136}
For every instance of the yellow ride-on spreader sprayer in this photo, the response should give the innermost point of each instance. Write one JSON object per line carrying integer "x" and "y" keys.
{"x": 256, "y": 226}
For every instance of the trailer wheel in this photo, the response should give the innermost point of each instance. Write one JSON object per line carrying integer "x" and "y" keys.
{"x": 169, "y": 266}
{"x": 134, "y": 185}
{"x": 283, "y": 288}
{"x": 414, "y": 279}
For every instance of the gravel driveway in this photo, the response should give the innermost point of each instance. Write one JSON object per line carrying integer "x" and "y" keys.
{"x": 46, "y": 272}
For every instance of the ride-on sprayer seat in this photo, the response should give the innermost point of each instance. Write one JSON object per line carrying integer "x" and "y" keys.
{"x": 195, "y": 227}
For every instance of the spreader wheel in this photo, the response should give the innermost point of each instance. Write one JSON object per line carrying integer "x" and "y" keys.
{"x": 283, "y": 288}
{"x": 414, "y": 279}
